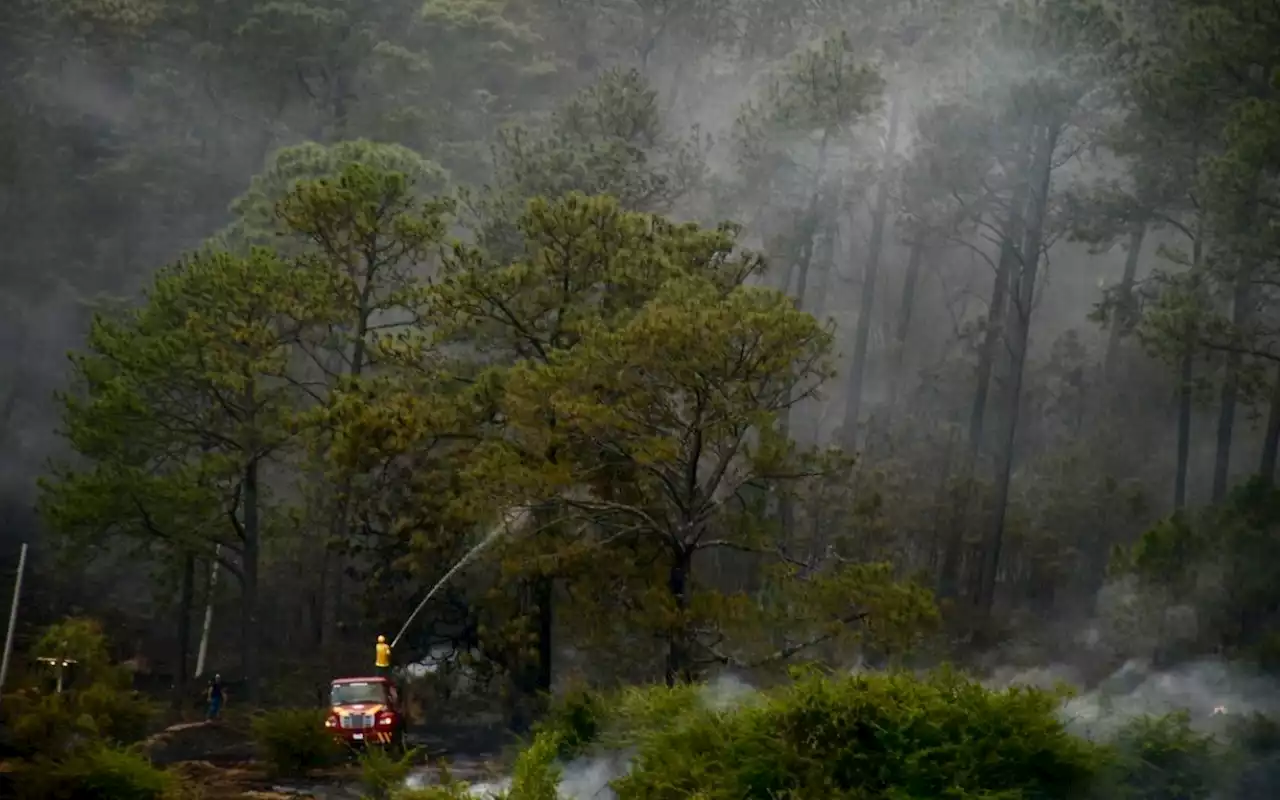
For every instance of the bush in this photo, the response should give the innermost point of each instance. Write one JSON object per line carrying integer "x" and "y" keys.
{"x": 892, "y": 736}
{"x": 579, "y": 719}
{"x": 51, "y": 724}
{"x": 883, "y": 735}
{"x": 98, "y": 706}
{"x": 1254, "y": 763}
{"x": 295, "y": 741}
{"x": 120, "y": 717}
{"x": 96, "y": 772}
{"x": 1160, "y": 758}
{"x": 381, "y": 773}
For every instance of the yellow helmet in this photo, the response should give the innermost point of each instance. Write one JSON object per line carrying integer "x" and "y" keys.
{"x": 382, "y": 640}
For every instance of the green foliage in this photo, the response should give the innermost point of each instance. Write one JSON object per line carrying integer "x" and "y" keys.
{"x": 295, "y": 741}
{"x": 825, "y": 88}
{"x": 608, "y": 139}
{"x": 536, "y": 774}
{"x": 97, "y": 707}
{"x": 347, "y": 167}
{"x": 1217, "y": 561}
{"x": 82, "y": 640}
{"x": 882, "y": 735}
{"x": 96, "y": 772}
{"x": 577, "y": 720}
{"x": 49, "y": 723}
{"x": 381, "y": 772}
{"x": 1160, "y": 758}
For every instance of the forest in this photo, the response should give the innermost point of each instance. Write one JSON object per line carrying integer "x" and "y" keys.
{"x": 720, "y": 337}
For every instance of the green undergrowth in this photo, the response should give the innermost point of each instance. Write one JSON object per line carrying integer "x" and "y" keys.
{"x": 83, "y": 742}
{"x": 881, "y": 737}
{"x": 96, "y": 771}
{"x": 295, "y": 741}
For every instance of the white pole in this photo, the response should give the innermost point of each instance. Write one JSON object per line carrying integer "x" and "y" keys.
{"x": 208, "y": 613}
{"x": 13, "y": 616}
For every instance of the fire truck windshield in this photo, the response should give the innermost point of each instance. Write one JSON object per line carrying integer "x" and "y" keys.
{"x": 343, "y": 694}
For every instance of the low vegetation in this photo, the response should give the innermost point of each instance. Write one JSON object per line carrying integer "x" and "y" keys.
{"x": 882, "y": 736}
{"x": 97, "y": 771}
{"x": 294, "y": 741}
{"x": 84, "y": 741}
{"x": 383, "y": 772}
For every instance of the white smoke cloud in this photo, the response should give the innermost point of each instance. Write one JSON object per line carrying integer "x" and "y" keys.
{"x": 1212, "y": 691}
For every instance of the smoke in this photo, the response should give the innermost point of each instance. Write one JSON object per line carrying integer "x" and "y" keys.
{"x": 1212, "y": 691}
{"x": 588, "y": 778}
{"x": 725, "y": 692}
{"x": 580, "y": 779}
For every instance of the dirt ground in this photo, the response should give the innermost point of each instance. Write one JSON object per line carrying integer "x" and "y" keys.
{"x": 218, "y": 757}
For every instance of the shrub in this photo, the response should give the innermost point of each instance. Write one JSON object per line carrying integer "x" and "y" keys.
{"x": 1253, "y": 767}
{"x": 537, "y": 775}
{"x": 1160, "y": 758}
{"x": 295, "y": 741}
{"x": 892, "y": 736}
{"x": 578, "y": 720}
{"x": 381, "y": 773}
{"x": 120, "y": 717}
{"x": 51, "y": 724}
{"x": 96, "y": 772}
{"x": 97, "y": 707}
{"x": 883, "y": 735}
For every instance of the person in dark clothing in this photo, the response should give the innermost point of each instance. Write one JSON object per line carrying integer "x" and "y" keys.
{"x": 216, "y": 695}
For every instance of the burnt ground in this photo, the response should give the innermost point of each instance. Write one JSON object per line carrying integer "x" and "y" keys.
{"x": 220, "y": 758}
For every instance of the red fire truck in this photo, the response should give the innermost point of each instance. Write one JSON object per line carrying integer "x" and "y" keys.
{"x": 366, "y": 711}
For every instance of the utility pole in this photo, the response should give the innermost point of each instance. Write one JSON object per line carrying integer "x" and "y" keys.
{"x": 13, "y": 617}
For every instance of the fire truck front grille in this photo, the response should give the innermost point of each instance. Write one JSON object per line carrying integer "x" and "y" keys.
{"x": 358, "y": 721}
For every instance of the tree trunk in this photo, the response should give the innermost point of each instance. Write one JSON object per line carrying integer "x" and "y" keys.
{"x": 949, "y": 577}
{"x": 1185, "y": 391}
{"x": 1271, "y": 444}
{"x": 531, "y": 677}
{"x": 871, "y": 274}
{"x": 953, "y": 548}
{"x": 1046, "y": 143}
{"x": 996, "y": 315}
{"x": 1184, "y": 428}
{"x": 544, "y": 597}
{"x": 828, "y": 237}
{"x": 321, "y": 609}
{"x": 1123, "y": 316}
{"x": 678, "y": 667}
{"x": 809, "y": 227}
{"x": 250, "y": 639}
{"x": 333, "y": 568}
{"x": 905, "y": 309}
{"x": 182, "y": 653}
{"x": 1230, "y": 394}
{"x": 808, "y": 243}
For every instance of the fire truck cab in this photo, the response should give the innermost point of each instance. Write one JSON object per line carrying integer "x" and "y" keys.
{"x": 366, "y": 711}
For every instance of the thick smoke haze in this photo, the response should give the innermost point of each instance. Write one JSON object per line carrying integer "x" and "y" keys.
{"x": 1016, "y": 284}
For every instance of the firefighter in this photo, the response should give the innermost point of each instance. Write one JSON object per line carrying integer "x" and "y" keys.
{"x": 383, "y": 658}
{"x": 215, "y": 694}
